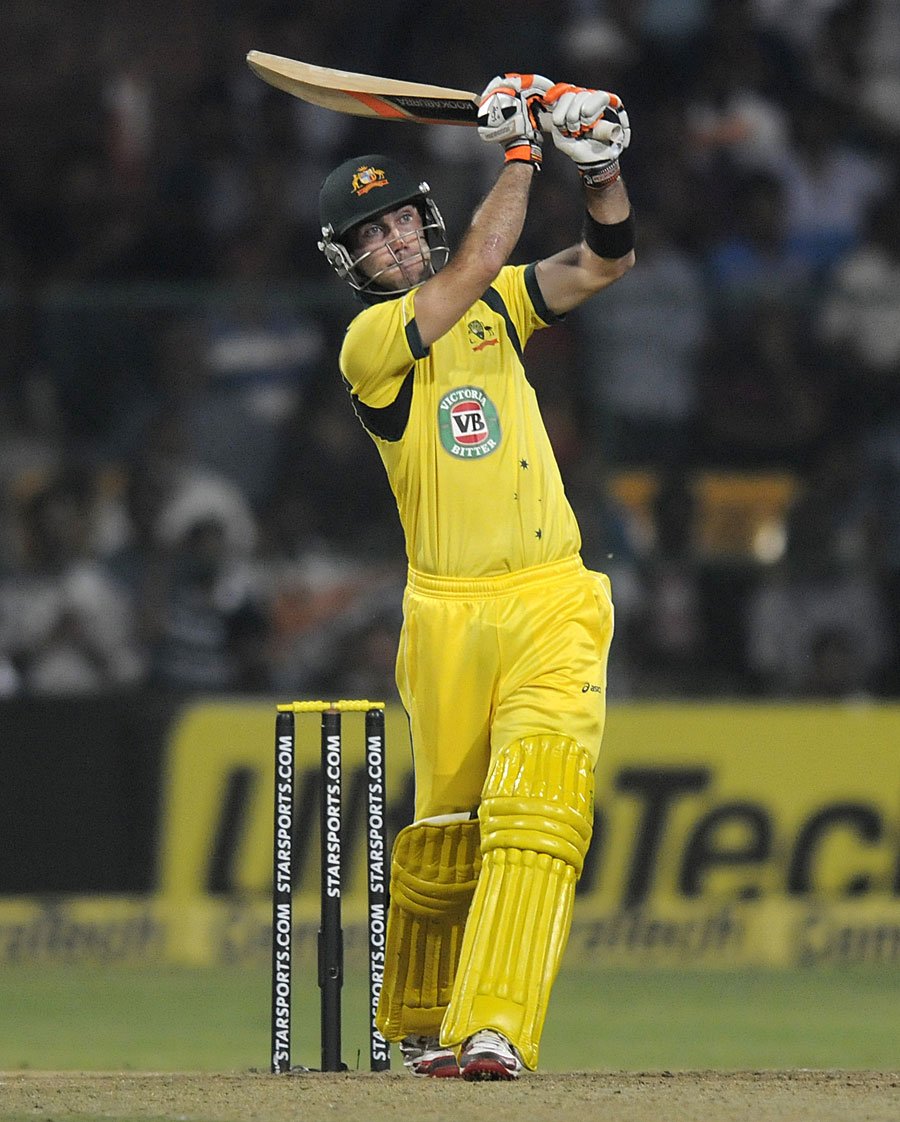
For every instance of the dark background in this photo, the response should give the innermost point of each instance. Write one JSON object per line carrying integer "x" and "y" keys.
{"x": 187, "y": 503}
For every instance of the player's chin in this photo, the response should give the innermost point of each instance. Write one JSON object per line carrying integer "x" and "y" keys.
{"x": 421, "y": 272}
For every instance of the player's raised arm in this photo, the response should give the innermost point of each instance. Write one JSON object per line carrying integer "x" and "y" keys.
{"x": 591, "y": 127}
{"x": 508, "y": 116}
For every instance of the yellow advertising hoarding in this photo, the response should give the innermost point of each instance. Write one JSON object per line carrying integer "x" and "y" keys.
{"x": 720, "y": 803}
{"x": 724, "y": 834}
{"x": 738, "y": 802}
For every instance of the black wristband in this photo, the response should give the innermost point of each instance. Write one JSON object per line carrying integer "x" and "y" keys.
{"x": 611, "y": 240}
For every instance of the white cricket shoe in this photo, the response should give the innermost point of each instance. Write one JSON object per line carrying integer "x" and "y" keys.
{"x": 424, "y": 1055}
{"x": 489, "y": 1055}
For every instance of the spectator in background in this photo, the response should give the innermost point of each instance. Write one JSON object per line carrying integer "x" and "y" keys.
{"x": 860, "y": 318}
{"x": 751, "y": 259}
{"x": 669, "y": 631}
{"x": 130, "y": 116}
{"x": 766, "y": 395}
{"x": 324, "y": 503}
{"x": 367, "y": 663}
{"x": 817, "y": 625}
{"x": 828, "y": 186}
{"x": 334, "y": 549}
{"x": 187, "y": 558}
{"x": 32, "y": 434}
{"x": 187, "y": 492}
{"x": 336, "y": 626}
{"x": 640, "y": 357}
{"x": 134, "y": 552}
{"x": 239, "y": 374}
{"x": 737, "y": 122}
{"x": 65, "y": 626}
{"x": 212, "y": 632}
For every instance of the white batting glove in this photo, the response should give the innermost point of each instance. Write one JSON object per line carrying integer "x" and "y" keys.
{"x": 591, "y": 127}
{"x": 508, "y": 115}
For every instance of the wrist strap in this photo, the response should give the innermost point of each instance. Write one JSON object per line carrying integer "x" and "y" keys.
{"x": 611, "y": 240}
{"x": 524, "y": 153}
{"x": 600, "y": 175}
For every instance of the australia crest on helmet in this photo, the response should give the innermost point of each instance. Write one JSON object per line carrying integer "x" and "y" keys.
{"x": 366, "y": 178}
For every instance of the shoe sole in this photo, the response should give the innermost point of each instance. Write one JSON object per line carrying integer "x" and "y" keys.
{"x": 487, "y": 1070}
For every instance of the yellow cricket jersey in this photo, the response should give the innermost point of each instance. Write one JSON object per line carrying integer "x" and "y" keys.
{"x": 458, "y": 428}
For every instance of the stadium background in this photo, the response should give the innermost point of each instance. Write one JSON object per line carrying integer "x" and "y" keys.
{"x": 186, "y": 537}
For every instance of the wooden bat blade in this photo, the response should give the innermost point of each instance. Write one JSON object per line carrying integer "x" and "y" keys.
{"x": 366, "y": 95}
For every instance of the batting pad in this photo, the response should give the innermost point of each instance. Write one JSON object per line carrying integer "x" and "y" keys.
{"x": 536, "y": 823}
{"x": 434, "y": 869}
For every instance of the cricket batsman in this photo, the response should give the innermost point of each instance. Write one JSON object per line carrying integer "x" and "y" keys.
{"x": 503, "y": 651}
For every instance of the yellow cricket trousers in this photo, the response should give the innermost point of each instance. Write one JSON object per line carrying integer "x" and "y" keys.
{"x": 484, "y": 662}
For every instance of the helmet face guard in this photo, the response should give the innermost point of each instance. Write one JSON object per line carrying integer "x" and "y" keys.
{"x": 361, "y": 189}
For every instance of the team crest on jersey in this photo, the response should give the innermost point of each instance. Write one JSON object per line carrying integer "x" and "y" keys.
{"x": 365, "y": 178}
{"x": 481, "y": 335}
{"x": 468, "y": 423}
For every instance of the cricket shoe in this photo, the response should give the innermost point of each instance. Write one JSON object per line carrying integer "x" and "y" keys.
{"x": 488, "y": 1055}
{"x": 424, "y": 1055}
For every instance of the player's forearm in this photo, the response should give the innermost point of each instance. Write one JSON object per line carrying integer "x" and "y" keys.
{"x": 486, "y": 247}
{"x": 602, "y": 256}
{"x": 606, "y": 249}
{"x": 608, "y": 205}
{"x": 497, "y": 223}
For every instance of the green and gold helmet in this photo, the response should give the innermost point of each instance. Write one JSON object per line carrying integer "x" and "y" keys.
{"x": 360, "y": 189}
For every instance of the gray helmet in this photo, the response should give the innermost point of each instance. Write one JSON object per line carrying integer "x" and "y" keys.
{"x": 362, "y": 188}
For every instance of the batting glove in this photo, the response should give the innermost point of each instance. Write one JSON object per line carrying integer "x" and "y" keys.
{"x": 508, "y": 115}
{"x": 591, "y": 127}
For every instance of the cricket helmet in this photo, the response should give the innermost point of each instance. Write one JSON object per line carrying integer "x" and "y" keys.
{"x": 362, "y": 188}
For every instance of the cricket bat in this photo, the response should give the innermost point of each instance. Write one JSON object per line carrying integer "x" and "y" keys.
{"x": 366, "y": 95}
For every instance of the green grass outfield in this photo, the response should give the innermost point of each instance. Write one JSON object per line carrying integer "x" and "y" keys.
{"x": 217, "y": 1019}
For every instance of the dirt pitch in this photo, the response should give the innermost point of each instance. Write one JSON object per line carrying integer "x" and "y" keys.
{"x": 761, "y": 1096}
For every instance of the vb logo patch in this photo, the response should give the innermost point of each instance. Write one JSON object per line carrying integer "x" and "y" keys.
{"x": 468, "y": 423}
{"x": 481, "y": 335}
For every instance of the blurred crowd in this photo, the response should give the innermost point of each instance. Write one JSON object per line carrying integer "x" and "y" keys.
{"x": 187, "y": 501}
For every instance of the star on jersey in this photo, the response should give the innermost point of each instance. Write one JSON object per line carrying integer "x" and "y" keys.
{"x": 523, "y": 464}
{"x": 539, "y": 534}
